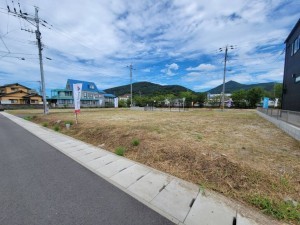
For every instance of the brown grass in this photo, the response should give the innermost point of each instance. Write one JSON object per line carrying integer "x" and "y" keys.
{"x": 235, "y": 152}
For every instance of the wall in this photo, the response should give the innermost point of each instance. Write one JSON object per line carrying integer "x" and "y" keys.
{"x": 291, "y": 93}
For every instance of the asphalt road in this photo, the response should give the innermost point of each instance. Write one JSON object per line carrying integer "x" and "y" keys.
{"x": 39, "y": 185}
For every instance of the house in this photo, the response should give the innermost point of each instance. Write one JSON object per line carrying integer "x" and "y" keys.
{"x": 291, "y": 78}
{"x": 124, "y": 97}
{"x": 18, "y": 94}
{"x": 91, "y": 96}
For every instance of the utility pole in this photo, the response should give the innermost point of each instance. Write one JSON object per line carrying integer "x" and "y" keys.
{"x": 38, "y": 38}
{"x": 130, "y": 68}
{"x": 224, "y": 74}
{"x": 35, "y": 19}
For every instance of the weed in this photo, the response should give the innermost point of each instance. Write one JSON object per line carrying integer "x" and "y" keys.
{"x": 45, "y": 124}
{"x": 281, "y": 210}
{"x": 120, "y": 151}
{"x": 56, "y": 128}
{"x": 29, "y": 118}
{"x": 135, "y": 142}
{"x": 69, "y": 122}
{"x": 199, "y": 137}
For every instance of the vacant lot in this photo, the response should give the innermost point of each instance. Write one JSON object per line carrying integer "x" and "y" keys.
{"x": 235, "y": 152}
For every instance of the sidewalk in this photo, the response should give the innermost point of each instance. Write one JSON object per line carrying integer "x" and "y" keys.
{"x": 180, "y": 201}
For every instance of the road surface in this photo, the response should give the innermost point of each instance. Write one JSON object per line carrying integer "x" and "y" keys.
{"x": 40, "y": 185}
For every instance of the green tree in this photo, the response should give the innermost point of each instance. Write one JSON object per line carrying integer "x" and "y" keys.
{"x": 190, "y": 97}
{"x": 201, "y": 98}
{"x": 122, "y": 103}
{"x": 278, "y": 91}
{"x": 254, "y": 96}
{"x": 239, "y": 98}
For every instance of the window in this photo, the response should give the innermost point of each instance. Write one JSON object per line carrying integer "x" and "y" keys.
{"x": 92, "y": 86}
{"x": 84, "y": 95}
{"x": 13, "y": 100}
{"x": 295, "y": 46}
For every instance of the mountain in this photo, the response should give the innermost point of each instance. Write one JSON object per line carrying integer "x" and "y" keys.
{"x": 147, "y": 89}
{"x": 232, "y": 86}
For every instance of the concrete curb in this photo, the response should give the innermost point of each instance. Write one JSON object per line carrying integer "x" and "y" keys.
{"x": 179, "y": 201}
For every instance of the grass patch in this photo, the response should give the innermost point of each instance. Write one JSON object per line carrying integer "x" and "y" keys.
{"x": 281, "y": 210}
{"x": 120, "y": 151}
{"x": 56, "y": 128}
{"x": 69, "y": 122}
{"x": 135, "y": 142}
{"x": 45, "y": 124}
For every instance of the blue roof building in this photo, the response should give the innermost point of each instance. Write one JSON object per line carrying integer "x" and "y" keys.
{"x": 91, "y": 96}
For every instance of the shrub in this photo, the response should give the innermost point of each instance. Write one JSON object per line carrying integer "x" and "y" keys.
{"x": 135, "y": 142}
{"x": 56, "y": 128}
{"x": 120, "y": 151}
{"x": 69, "y": 122}
{"x": 45, "y": 124}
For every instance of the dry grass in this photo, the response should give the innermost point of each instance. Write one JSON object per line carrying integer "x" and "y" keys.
{"x": 235, "y": 152}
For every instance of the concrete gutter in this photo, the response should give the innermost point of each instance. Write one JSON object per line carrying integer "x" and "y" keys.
{"x": 180, "y": 201}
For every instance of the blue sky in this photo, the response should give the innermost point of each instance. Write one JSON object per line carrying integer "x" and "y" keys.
{"x": 168, "y": 42}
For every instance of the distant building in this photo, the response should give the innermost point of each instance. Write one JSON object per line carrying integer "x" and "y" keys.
{"x": 91, "y": 96}
{"x": 291, "y": 79}
{"x": 18, "y": 94}
{"x": 124, "y": 97}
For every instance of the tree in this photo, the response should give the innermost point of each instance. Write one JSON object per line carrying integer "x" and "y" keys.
{"x": 278, "y": 91}
{"x": 239, "y": 98}
{"x": 201, "y": 98}
{"x": 190, "y": 97}
{"x": 122, "y": 103}
{"x": 254, "y": 96}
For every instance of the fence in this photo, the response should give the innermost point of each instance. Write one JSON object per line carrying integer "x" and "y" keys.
{"x": 290, "y": 117}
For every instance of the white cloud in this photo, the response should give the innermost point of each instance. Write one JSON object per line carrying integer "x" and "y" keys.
{"x": 169, "y": 70}
{"x": 202, "y": 67}
{"x": 146, "y": 70}
{"x": 111, "y": 34}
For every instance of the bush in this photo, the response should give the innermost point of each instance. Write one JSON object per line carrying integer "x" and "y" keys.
{"x": 56, "y": 128}
{"x": 120, "y": 151}
{"x": 45, "y": 124}
{"x": 135, "y": 142}
{"x": 69, "y": 122}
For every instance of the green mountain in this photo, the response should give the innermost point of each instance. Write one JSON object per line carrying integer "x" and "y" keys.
{"x": 232, "y": 86}
{"x": 147, "y": 89}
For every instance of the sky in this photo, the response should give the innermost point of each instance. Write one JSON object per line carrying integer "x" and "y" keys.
{"x": 179, "y": 42}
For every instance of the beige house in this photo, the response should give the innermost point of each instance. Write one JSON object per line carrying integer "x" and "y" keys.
{"x": 18, "y": 94}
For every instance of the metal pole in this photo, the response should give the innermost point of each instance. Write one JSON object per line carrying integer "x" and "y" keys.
{"x": 223, "y": 95}
{"x": 38, "y": 37}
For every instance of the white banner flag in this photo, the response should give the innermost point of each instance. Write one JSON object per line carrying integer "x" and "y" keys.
{"x": 116, "y": 101}
{"x": 77, "y": 95}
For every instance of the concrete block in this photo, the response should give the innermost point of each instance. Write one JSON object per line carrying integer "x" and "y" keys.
{"x": 175, "y": 198}
{"x": 240, "y": 220}
{"x": 102, "y": 161}
{"x": 209, "y": 211}
{"x": 78, "y": 153}
{"x": 150, "y": 185}
{"x": 115, "y": 167}
{"x": 91, "y": 156}
{"x": 129, "y": 176}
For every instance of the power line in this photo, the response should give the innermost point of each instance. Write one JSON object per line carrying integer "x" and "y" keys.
{"x": 35, "y": 21}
